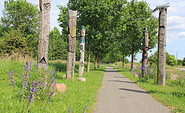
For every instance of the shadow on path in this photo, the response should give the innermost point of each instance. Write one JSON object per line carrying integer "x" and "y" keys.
{"x": 122, "y": 81}
{"x": 137, "y": 91}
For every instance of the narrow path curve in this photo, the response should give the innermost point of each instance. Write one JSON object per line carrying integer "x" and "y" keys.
{"x": 120, "y": 95}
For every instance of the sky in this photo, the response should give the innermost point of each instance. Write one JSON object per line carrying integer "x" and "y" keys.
{"x": 175, "y": 40}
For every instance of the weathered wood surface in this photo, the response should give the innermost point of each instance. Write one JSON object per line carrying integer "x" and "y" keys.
{"x": 44, "y": 25}
{"x": 144, "y": 56}
{"x": 71, "y": 54}
{"x": 162, "y": 46}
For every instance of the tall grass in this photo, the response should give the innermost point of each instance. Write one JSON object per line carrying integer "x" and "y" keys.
{"x": 79, "y": 96}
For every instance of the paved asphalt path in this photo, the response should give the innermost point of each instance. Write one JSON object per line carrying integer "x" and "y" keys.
{"x": 120, "y": 95}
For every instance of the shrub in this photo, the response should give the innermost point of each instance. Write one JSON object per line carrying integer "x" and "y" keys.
{"x": 179, "y": 62}
{"x": 172, "y": 61}
{"x": 183, "y": 62}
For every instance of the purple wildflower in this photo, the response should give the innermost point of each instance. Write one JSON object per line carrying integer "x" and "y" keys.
{"x": 150, "y": 72}
{"x": 33, "y": 90}
{"x": 49, "y": 97}
{"x": 85, "y": 108}
{"x": 11, "y": 76}
{"x": 69, "y": 110}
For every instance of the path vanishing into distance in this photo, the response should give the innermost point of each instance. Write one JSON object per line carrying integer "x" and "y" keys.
{"x": 120, "y": 95}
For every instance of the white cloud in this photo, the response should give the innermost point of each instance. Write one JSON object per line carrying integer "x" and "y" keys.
{"x": 176, "y": 20}
{"x": 176, "y": 23}
{"x": 182, "y": 35}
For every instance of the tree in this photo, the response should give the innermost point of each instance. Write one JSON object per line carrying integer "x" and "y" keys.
{"x": 22, "y": 15}
{"x": 172, "y": 61}
{"x": 183, "y": 62}
{"x": 14, "y": 42}
{"x": 179, "y": 62}
{"x": 139, "y": 16}
{"x": 57, "y": 46}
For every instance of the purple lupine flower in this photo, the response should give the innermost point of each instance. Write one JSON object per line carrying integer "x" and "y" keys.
{"x": 49, "y": 98}
{"x": 33, "y": 90}
{"x": 139, "y": 68}
{"x": 11, "y": 76}
{"x": 85, "y": 108}
{"x": 150, "y": 72}
{"x": 69, "y": 110}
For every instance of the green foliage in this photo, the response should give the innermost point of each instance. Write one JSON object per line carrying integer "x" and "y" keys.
{"x": 126, "y": 60}
{"x": 183, "y": 62}
{"x": 57, "y": 45}
{"x": 179, "y": 62}
{"x": 172, "y": 61}
{"x": 13, "y": 42}
{"x": 22, "y": 15}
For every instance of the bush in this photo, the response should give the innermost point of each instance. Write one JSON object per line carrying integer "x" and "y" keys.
{"x": 14, "y": 42}
{"x": 172, "y": 61}
{"x": 179, "y": 62}
{"x": 183, "y": 62}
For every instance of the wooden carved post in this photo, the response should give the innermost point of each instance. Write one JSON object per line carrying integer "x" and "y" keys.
{"x": 44, "y": 25}
{"x": 82, "y": 51}
{"x": 144, "y": 56}
{"x": 71, "y": 44}
{"x": 162, "y": 43}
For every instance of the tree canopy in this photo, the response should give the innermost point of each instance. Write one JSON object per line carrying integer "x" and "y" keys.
{"x": 22, "y": 15}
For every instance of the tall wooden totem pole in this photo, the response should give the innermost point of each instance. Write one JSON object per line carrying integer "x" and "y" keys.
{"x": 82, "y": 51}
{"x": 162, "y": 43}
{"x": 44, "y": 25}
{"x": 71, "y": 44}
{"x": 144, "y": 56}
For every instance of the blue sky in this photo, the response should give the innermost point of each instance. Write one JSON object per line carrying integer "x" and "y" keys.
{"x": 175, "y": 23}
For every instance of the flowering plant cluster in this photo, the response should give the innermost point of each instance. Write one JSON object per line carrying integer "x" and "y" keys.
{"x": 138, "y": 71}
{"x": 36, "y": 85}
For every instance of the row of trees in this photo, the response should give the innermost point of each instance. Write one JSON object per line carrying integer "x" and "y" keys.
{"x": 113, "y": 28}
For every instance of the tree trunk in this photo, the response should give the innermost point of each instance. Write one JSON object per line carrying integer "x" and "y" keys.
{"x": 95, "y": 64}
{"x": 132, "y": 57}
{"x": 99, "y": 62}
{"x": 71, "y": 44}
{"x": 44, "y": 25}
{"x": 162, "y": 46}
{"x": 123, "y": 61}
{"x": 89, "y": 58}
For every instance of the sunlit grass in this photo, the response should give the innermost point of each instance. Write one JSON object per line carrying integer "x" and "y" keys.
{"x": 77, "y": 96}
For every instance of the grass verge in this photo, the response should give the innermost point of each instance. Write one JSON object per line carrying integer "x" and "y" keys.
{"x": 77, "y": 96}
